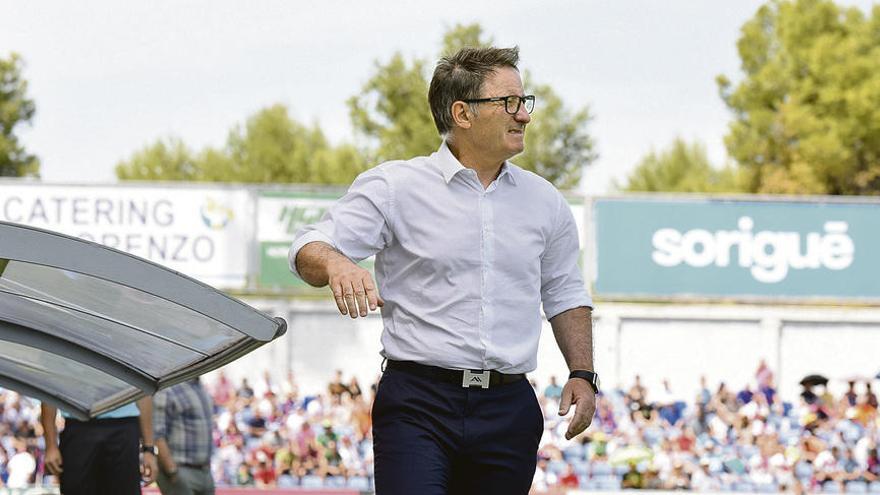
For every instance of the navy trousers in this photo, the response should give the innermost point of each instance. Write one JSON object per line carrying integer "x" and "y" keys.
{"x": 435, "y": 438}
{"x": 101, "y": 457}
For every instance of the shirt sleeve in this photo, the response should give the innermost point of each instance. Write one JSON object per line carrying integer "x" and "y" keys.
{"x": 562, "y": 284}
{"x": 358, "y": 225}
{"x": 160, "y": 412}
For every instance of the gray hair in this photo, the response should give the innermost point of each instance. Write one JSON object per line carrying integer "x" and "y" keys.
{"x": 461, "y": 76}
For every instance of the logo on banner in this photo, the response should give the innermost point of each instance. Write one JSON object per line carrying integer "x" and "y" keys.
{"x": 768, "y": 255}
{"x": 215, "y": 215}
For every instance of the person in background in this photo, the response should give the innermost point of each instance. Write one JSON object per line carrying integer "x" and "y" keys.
{"x": 101, "y": 456}
{"x": 183, "y": 421}
{"x": 553, "y": 390}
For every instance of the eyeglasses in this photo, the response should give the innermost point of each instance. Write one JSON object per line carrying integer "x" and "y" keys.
{"x": 511, "y": 103}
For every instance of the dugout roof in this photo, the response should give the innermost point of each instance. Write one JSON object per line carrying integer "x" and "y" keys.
{"x": 89, "y": 328}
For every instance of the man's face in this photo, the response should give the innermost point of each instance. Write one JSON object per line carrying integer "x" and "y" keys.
{"x": 500, "y": 134}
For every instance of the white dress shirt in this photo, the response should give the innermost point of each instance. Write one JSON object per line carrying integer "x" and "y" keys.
{"x": 463, "y": 270}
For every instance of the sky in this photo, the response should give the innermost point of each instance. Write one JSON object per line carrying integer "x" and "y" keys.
{"x": 109, "y": 77}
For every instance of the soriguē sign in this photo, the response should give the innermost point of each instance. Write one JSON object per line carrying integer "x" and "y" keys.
{"x": 818, "y": 248}
{"x": 201, "y": 232}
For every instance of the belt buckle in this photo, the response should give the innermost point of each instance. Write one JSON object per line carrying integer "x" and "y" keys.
{"x": 472, "y": 379}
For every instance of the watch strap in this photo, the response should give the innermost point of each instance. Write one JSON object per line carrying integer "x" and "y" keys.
{"x": 590, "y": 377}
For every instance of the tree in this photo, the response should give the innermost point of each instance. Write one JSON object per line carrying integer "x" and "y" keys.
{"x": 807, "y": 112}
{"x": 15, "y": 109}
{"x": 165, "y": 159}
{"x": 392, "y": 112}
{"x": 271, "y": 147}
{"x": 682, "y": 167}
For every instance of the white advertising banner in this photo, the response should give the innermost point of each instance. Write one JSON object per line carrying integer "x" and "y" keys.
{"x": 202, "y": 232}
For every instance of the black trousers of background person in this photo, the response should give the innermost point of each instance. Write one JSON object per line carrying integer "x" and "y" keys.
{"x": 100, "y": 457}
{"x": 436, "y": 438}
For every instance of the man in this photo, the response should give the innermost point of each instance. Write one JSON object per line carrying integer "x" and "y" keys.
{"x": 182, "y": 417}
{"x": 101, "y": 456}
{"x": 468, "y": 246}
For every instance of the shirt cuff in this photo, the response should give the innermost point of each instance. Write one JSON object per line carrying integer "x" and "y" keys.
{"x": 584, "y": 301}
{"x": 301, "y": 241}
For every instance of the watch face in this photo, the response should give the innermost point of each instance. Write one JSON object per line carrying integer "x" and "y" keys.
{"x": 598, "y": 384}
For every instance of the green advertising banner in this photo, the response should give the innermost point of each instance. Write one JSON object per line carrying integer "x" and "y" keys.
{"x": 737, "y": 248}
{"x": 280, "y": 214}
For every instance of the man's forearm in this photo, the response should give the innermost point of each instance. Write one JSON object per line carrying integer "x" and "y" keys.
{"x": 312, "y": 260}
{"x": 573, "y": 330}
{"x": 145, "y": 405}
{"x": 166, "y": 461}
{"x": 48, "y": 414}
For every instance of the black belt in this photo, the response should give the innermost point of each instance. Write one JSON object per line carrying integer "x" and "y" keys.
{"x": 464, "y": 378}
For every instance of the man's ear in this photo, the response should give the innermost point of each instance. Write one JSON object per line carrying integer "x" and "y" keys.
{"x": 462, "y": 115}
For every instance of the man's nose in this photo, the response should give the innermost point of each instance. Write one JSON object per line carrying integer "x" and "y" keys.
{"x": 522, "y": 115}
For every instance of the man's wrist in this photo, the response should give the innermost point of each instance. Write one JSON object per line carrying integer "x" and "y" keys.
{"x": 588, "y": 376}
{"x": 148, "y": 448}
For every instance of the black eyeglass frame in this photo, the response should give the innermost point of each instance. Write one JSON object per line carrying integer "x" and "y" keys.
{"x": 520, "y": 101}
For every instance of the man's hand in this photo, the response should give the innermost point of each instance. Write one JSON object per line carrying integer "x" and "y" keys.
{"x": 149, "y": 468}
{"x": 353, "y": 288}
{"x": 53, "y": 460}
{"x": 578, "y": 392}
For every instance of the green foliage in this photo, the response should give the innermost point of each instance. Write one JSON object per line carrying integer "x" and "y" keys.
{"x": 271, "y": 147}
{"x": 392, "y": 112}
{"x": 682, "y": 167}
{"x": 807, "y": 113}
{"x": 558, "y": 146}
{"x": 165, "y": 159}
{"x": 15, "y": 108}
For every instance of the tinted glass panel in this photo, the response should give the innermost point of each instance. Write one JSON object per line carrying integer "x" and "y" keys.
{"x": 117, "y": 302}
{"x": 147, "y": 352}
{"x": 59, "y": 376}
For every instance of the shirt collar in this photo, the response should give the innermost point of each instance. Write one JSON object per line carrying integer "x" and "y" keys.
{"x": 449, "y": 165}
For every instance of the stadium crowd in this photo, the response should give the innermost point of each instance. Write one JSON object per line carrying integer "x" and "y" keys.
{"x": 268, "y": 434}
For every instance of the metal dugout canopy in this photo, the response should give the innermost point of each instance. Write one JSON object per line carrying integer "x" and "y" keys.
{"x": 89, "y": 328}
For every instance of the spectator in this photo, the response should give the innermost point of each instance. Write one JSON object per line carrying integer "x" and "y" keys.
{"x": 244, "y": 477}
{"x": 745, "y": 395}
{"x": 553, "y": 390}
{"x": 21, "y": 465}
{"x": 870, "y": 398}
{"x": 183, "y": 421}
{"x": 336, "y": 387}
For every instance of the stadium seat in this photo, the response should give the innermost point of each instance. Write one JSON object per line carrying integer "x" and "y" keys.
{"x": 803, "y": 470}
{"x": 600, "y": 469}
{"x": 830, "y": 487}
{"x": 573, "y": 452}
{"x": 287, "y": 481}
{"x": 360, "y": 483}
{"x": 334, "y": 482}
{"x": 312, "y": 481}
{"x": 743, "y": 486}
{"x": 584, "y": 481}
{"x": 767, "y": 488}
{"x": 580, "y": 467}
{"x": 556, "y": 467}
{"x": 874, "y": 487}
{"x": 857, "y": 487}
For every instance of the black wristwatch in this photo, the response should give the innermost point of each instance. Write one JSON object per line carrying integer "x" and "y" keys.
{"x": 152, "y": 449}
{"x": 591, "y": 377}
